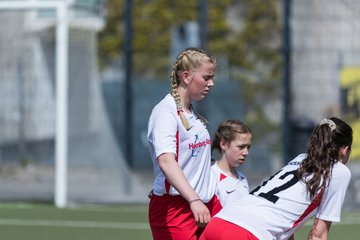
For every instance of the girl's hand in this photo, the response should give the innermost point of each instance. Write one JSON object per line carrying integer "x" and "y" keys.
{"x": 200, "y": 211}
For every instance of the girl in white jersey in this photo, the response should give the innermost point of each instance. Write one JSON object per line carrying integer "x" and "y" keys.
{"x": 313, "y": 184}
{"x": 233, "y": 140}
{"x": 183, "y": 196}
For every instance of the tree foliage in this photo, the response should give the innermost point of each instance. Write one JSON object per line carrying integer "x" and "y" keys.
{"x": 255, "y": 56}
{"x": 152, "y": 23}
{"x": 245, "y": 32}
{"x": 256, "y": 45}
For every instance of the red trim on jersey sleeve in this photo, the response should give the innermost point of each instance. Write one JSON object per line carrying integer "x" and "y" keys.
{"x": 167, "y": 184}
{"x": 177, "y": 146}
{"x": 222, "y": 176}
{"x": 314, "y": 204}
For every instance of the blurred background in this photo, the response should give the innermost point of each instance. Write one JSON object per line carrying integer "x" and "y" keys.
{"x": 79, "y": 78}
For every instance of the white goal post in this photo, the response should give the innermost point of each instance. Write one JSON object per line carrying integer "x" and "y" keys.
{"x": 61, "y": 75}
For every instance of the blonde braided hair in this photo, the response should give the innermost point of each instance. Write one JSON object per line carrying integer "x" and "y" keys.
{"x": 188, "y": 59}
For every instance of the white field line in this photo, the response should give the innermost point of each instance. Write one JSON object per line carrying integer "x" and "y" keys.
{"x": 110, "y": 225}
{"x": 75, "y": 224}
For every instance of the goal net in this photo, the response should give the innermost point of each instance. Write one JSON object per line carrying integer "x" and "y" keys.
{"x": 96, "y": 171}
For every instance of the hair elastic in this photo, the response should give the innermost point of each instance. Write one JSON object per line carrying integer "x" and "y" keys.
{"x": 329, "y": 122}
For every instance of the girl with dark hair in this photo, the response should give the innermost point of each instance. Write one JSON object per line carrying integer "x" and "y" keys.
{"x": 312, "y": 184}
{"x": 183, "y": 195}
{"x": 233, "y": 140}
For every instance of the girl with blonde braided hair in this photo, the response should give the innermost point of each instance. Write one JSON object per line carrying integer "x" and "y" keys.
{"x": 183, "y": 195}
{"x": 191, "y": 58}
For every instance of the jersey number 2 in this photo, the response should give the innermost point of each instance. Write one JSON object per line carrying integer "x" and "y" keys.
{"x": 270, "y": 195}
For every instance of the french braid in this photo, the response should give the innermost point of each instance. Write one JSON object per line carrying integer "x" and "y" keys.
{"x": 188, "y": 59}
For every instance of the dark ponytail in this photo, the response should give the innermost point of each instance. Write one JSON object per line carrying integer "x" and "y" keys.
{"x": 323, "y": 151}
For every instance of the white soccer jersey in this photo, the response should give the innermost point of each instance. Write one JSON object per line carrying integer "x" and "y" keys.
{"x": 280, "y": 206}
{"x": 166, "y": 134}
{"x": 226, "y": 185}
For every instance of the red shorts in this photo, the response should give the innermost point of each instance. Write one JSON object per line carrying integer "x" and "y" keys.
{"x": 219, "y": 229}
{"x": 170, "y": 217}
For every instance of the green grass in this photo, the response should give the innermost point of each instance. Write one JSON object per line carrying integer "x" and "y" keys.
{"x": 108, "y": 222}
{"x": 347, "y": 229}
{"x": 44, "y": 222}
{"x": 337, "y": 231}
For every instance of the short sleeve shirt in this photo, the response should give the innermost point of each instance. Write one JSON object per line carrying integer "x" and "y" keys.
{"x": 281, "y": 205}
{"x": 227, "y": 186}
{"x": 166, "y": 134}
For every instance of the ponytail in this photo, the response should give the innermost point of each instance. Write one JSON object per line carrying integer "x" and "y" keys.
{"x": 323, "y": 151}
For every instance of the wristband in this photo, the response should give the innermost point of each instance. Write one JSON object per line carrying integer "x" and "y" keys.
{"x": 194, "y": 200}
